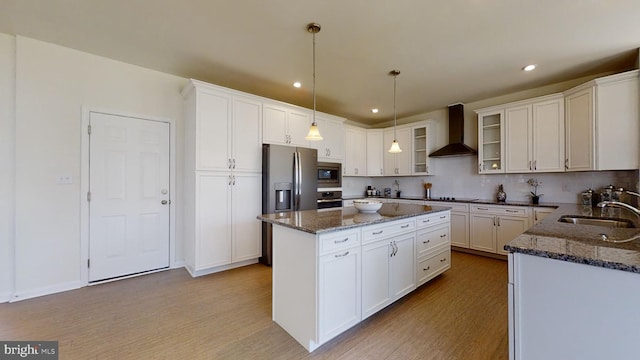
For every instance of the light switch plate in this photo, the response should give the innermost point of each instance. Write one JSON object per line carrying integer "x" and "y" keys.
{"x": 64, "y": 179}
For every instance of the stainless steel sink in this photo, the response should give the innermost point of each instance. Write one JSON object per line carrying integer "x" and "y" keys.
{"x": 584, "y": 220}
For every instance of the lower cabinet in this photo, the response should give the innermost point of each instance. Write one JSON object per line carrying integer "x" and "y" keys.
{"x": 492, "y": 227}
{"x": 459, "y": 222}
{"x": 339, "y": 292}
{"x": 224, "y": 229}
{"x": 387, "y": 272}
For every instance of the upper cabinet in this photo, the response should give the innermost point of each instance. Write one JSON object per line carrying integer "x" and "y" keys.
{"x": 522, "y": 137}
{"x": 331, "y": 147}
{"x": 225, "y": 128}
{"x": 285, "y": 125}
{"x": 534, "y": 135}
{"x": 423, "y": 140}
{"x": 397, "y": 164}
{"x": 490, "y": 141}
{"x": 602, "y": 124}
{"x": 355, "y": 163}
{"x": 375, "y": 152}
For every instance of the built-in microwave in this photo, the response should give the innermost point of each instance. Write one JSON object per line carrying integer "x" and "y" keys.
{"x": 329, "y": 175}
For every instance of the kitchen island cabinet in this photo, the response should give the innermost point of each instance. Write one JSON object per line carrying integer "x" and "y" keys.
{"x": 333, "y": 268}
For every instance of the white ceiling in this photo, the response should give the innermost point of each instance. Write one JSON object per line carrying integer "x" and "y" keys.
{"x": 447, "y": 51}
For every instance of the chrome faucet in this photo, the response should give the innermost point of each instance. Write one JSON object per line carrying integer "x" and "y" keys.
{"x": 620, "y": 204}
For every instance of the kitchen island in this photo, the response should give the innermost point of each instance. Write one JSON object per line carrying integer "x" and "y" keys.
{"x": 334, "y": 268}
{"x": 571, "y": 294}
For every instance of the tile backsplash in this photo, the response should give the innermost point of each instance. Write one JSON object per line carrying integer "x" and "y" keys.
{"x": 458, "y": 177}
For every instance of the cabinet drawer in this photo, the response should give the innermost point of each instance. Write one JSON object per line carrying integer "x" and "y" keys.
{"x": 381, "y": 231}
{"x": 455, "y": 206}
{"x": 430, "y": 238}
{"x": 339, "y": 240}
{"x": 433, "y": 219}
{"x": 429, "y": 268}
{"x": 520, "y": 211}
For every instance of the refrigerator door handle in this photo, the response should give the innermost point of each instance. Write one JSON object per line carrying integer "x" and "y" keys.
{"x": 296, "y": 181}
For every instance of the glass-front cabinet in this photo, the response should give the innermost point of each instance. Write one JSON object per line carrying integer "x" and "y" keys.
{"x": 491, "y": 141}
{"x": 420, "y": 155}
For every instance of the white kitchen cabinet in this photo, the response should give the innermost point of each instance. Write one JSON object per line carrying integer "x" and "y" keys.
{"x": 539, "y": 213}
{"x": 222, "y": 178}
{"x": 223, "y": 128}
{"x": 534, "y": 135}
{"x": 285, "y": 124}
{"x": 601, "y": 120}
{"x": 459, "y": 222}
{"x": 387, "y": 272}
{"x": 423, "y": 140}
{"x": 375, "y": 152}
{"x": 493, "y": 226}
{"x": 565, "y": 310}
{"x": 355, "y": 163}
{"x": 331, "y": 147}
{"x": 339, "y": 291}
{"x": 225, "y": 228}
{"x": 490, "y": 141}
{"x": 398, "y": 164}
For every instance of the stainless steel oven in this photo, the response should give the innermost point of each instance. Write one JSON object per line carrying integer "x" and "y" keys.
{"x": 329, "y": 199}
{"x": 329, "y": 175}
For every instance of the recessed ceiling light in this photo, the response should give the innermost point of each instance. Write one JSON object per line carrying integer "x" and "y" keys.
{"x": 297, "y": 84}
{"x": 375, "y": 111}
{"x": 529, "y": 67}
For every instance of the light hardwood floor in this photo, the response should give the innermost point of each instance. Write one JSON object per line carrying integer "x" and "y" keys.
{"x": 461, "y": 314}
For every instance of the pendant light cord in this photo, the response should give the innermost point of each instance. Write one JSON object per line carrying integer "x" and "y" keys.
{"x": 314, "y": 78}
{"x": 394, "y": 108}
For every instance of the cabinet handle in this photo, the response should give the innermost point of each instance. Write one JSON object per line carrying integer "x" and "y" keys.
{"x": 427, "y": 269}
{"x": 342, "y": 255}
{"x": 229, "y": 180}
{"x": 443, "y": 235}
{"x": 341, "y": 241}
{"x": 426, "y": 221}
{"x": 377, "y": 233}
{"x": 427, "y": 169}
{"x": 498, "y": 221}
{"x": 229, "y": 163}
{"x": 494, "y": 221}
{"x": 443, "y": 217}
{"x": 234, "y": 163}
{"x": 485, "y": 209}
{"x": 566, "y": 164}
{"x": 404, "y": 226}
{"x": 426, "y": 242}
{"x": 443, "y": 259}
{"x": 480, "y": 167}
{"x": 535, "y": 165}
{"x": 529, "y": 165}
{"x": 535, "y": 216}
{"x": 381, "y": 172}
{"x": 511, "y": 211}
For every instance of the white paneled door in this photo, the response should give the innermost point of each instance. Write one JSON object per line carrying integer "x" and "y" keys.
{"x": 129, "y": 196}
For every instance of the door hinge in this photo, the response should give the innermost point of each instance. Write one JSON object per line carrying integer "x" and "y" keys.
{"x": 88, "y": 263}
{"x": 89, "y": 129}
{"x": 89, "y": 196}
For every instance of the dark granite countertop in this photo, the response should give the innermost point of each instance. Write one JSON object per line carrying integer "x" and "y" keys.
{"x": 583, "y": 244}
{"x": 321, "y": 221}
{"x": 459, "y": 200}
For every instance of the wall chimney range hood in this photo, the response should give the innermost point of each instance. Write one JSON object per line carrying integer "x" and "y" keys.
{"x": 456, "y": 146}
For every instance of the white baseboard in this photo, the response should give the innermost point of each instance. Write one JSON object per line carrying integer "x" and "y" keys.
{"x": 216, "y": 269}
{"x": 5, "y": 297}
{"x": 178, "y": 264}
{"x": 46, "y": 290}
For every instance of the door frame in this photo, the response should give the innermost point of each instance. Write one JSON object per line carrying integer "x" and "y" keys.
{"x": 84, "y": 189}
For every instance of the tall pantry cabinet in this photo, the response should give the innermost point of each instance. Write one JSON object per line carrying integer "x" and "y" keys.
{"x": 223, "y": 180}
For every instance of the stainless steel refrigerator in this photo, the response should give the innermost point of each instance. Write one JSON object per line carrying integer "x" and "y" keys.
{"x": 289, "y": 183}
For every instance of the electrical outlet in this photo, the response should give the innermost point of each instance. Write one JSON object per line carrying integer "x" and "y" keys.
{"x": 64, "y": 179}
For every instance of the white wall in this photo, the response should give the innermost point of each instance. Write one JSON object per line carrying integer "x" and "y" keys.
{"x": 7, "y": 175}
{"x": 53, "y": 83}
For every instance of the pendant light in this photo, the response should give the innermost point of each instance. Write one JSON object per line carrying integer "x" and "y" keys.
{"x": 395, "y": 147}
{"x": 314, "y": 133}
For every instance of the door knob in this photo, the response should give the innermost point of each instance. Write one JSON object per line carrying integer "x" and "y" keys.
{"x": 164, "y": 202}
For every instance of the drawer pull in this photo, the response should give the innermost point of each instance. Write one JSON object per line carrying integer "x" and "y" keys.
{"x": 404, "y": 226}
{"x": 342, "y": 255}
{"x": 377, "y": 233}
{"x": 483, "y": 209}
{"x": 443, "y": 235}
{"x": 441, "y": 260}
{"x": 426, "y": 242}
{"x": 341, "y": 241}
{"x": 443, "y": 217}
{"x": 511, "y": 211}
{"x": 427, "y": 269}
{"x": 426, "y": 221}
